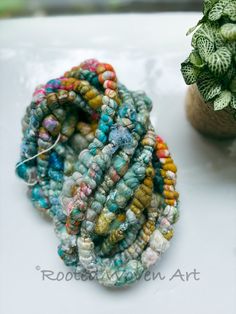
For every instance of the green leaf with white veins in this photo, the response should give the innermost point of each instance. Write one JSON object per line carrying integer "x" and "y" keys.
{"x": 212, "y": 62}
{"x": 230, "y": 10}
{"x": 207, "y": 5}
{"x": 189, "y": 73}
{"x": 219, "y": 61}
{"x": 231, "y": 46}
{"x": 222, "y": 100}
{"x": 208, "y": 86}
{"x": 205, "y": 30}
{"x": 233, "y": 101}
{"x": 217, "y": 11}
{"x": 219, "y": 40}
{"x": 228, "y": 31}
{"x": 195, "y": 59}
{"x": 205, "y": 47}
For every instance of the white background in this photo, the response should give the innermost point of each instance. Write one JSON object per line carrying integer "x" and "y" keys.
{"x": 146, "y": 51}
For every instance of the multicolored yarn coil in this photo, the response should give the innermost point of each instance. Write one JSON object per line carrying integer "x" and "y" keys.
{"x": 94, "y": 164}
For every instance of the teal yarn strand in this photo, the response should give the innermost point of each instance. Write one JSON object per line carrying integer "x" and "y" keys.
{"x": 95, "y": 165}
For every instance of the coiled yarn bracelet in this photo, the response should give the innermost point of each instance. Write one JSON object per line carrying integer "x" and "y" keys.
{"x": 93, "y": 163}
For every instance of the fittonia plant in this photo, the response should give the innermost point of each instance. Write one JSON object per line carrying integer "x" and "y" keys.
{"x": 212, "y": 62}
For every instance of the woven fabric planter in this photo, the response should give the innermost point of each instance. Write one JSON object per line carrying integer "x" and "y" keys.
{"x": 218, "y": 124}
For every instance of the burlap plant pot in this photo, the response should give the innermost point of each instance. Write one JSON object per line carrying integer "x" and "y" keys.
{"x": 218, "y": 124}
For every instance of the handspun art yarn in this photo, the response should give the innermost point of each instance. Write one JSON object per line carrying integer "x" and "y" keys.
{"x": 93, "y": 162}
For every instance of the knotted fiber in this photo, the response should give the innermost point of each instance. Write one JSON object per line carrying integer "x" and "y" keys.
{"x": 94, "y": 164}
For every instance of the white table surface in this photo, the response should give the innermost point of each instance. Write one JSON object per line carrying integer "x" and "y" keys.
{"x": 146, "y": 51}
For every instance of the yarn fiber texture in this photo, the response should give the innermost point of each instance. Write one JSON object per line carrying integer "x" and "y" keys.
{"x": 93, "y": 162}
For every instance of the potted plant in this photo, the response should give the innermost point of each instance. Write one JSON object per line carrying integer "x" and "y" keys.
{"x": 210, "y": 70}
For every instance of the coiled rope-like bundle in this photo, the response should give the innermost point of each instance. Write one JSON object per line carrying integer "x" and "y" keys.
{"x": 94, "y": 164}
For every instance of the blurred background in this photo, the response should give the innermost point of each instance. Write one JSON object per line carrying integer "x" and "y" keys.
{"x": 14, "y": 8}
